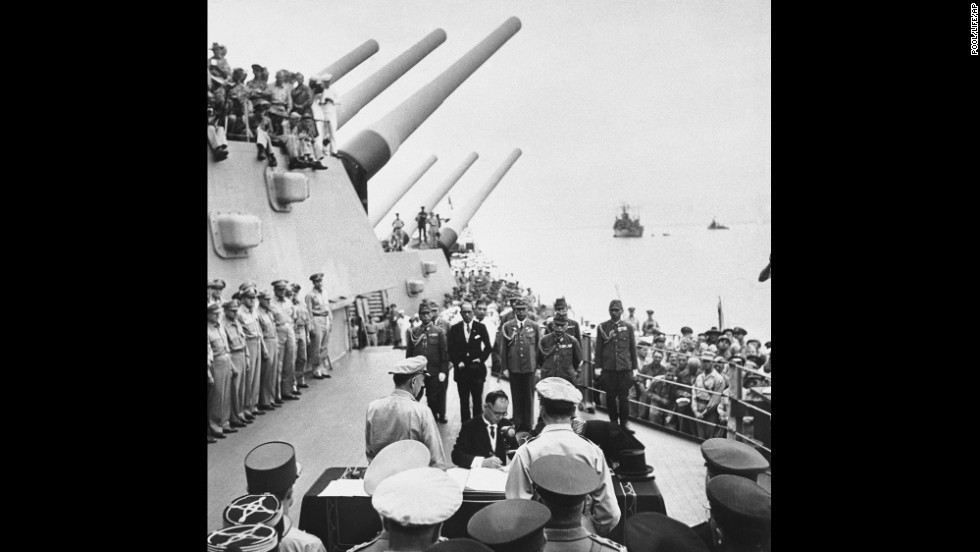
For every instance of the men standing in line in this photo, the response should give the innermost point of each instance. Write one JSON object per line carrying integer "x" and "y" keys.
{"x": 469, "y": 347}
{"x": 304, "y": 326}
{"x": 319, "y": 307}
{"x": 270, "y": 351}
{"x": 239, "y": 359}
{"x": 650, "y": 324}
{"x": 285, "y": 316}
{"x": 632, "y": 321}
{"x": 400, "y": 416}
{"x": 616, "y": 363}
{"x": 518, "y": 360}
{"x": 219, "y": 400}
{"x": 559, "y": 399}
{"x": 429, "y": 341}
{"x": 484, "y": 440}
{"x": 253, "y": 343}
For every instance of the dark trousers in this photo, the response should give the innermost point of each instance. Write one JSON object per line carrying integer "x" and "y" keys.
{"x": 522, "y": 392}
{"x": 435, "y": 395}
{"x": 617, "y": 385}
{"x": 469, "y": 390}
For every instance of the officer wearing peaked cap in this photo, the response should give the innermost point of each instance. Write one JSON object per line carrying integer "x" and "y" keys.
{"x": 413, "y": 504}
{"x": 513, "y": 525}
{"x": 653, "y": 532}
{"x": 318, "y": 304}
{"x": 220, "y": 371}
{"x": 561, "y": 319}
{"x": 741, "y": 516}
{"x": 284, "y": 314}
{"x": 559, "y": 399}
{"x": 727, "y": 456}
{"x": 215, "y": 287}
{"x": 616, "y": 363}
{"x": 431, "y": 341}
{"x": 399, "y": 416}
{"x": 395, "y": 458}
{"x": 239, "y": 362}
{"x": 248, "y": 318}
{"x": 563, "y": 484}
{"x": 270, "y": 350}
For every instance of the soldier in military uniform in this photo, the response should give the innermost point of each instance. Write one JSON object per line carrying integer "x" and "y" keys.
{"x": 430, "y": 341}
{"x": 572, "y": 327}
{"x": 741, "y": 516}
{"x": 285, "y": 317}
{"x": 219, "y": 400}
{"x": 560, "y": 355}
{"x": 562, "y": 484}
{"x": 514, "y": 525}
{"x": 558, "y": 402}
{"x": 413, "y": 505}
{"x": 304, "y": 326}
{"x": 650, "y": 324}
{"x": 215, "y": 288}
{"x": 270, "y": 350}
{"x": 239, "y": 359}
{"x": 632, "y": 321}
{"x": 653, "y": 532}
{"x": 249, "y": 322}
{"x": 518, "y": 341}
{"x": 616, "y": 363}
{"x": 319, "y": 306}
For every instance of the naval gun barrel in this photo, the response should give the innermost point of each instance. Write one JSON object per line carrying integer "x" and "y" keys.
{"x": 387, "y": 202}
{"x": 451, "y": 231}
{"x": 345, "y": 64}
{"x": 359, "y": 96}
{"x": 436, "y": 196}
{"x": 372, "y": 148}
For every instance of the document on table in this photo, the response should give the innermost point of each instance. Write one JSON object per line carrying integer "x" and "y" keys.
{"x": 487, "y": 479}
{"x": 345, "y": 487}
{"x": 459, "y": 475}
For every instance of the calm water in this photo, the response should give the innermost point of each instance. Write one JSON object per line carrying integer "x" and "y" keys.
{"x": 680, "y": 276}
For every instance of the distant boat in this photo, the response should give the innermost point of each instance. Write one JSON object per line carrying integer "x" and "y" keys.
{"x": 626, "y": 227}
{"x": 716, "y": 226}
{"x": 666, "y": 234}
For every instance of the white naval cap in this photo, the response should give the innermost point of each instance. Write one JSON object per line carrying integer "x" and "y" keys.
{"x": 413, "y": 365}
{"x": 397, "y": 457}
{"x": 421, "y": 496}
{"x": 558, "y": 389}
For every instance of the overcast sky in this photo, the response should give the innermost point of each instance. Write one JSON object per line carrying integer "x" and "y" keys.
{"x": 665, "y": 105}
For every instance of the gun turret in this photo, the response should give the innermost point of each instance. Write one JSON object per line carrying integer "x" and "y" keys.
{"x": 436, "y": 196}
{"x": 359, "y": 96}
{"x": 345, "y": 64}
{"x": 372, "y": 148}
{"x": 388, "y": 201}
{"x": 461, "y": 217}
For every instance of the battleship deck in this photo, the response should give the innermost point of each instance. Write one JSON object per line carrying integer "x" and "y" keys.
{"x": 327, "y": 428}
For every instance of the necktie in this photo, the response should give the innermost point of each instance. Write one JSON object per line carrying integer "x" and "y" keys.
{"x": 468, "y": 330}
{"x": 493, "y": 434}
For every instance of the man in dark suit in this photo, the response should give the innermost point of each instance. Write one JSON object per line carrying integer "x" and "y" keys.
{"x": 484, "y": 440}
{"x": 469, "y": 348}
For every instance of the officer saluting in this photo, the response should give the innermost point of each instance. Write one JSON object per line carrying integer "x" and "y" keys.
{"x": 429, "y": 340}
{"x": 562, "y": 484}
{"x": 615, "y": 361}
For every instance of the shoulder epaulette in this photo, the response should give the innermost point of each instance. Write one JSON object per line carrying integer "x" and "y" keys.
{"x": 364, "y": 545}
{"x": 607, "y": 543}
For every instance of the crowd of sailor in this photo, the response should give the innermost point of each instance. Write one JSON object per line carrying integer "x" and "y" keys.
{"x": 299, "y": 119}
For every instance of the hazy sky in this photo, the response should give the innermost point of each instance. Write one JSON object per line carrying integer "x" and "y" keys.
{"x": 665, "y": 105}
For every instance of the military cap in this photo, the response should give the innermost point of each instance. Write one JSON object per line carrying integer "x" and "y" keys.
{"x": 712, "y": 331}
{"x": 230, "y": 305}
{"x": 412, "y": 365}
{"x": 518, "y": 303}
{"x": 739, "y": 331}
{"x": 740, "y": 506}
{"x": 558, "y": 389}
{"x": 253, "y": 508}
{"x": 244, "y": 538}
{"x": 768, "y": 344}
{"x": 214, "y": 307}
{"x": 631, "y": 309}
{"x": 215, "y": 46}
{"x": 264, "y": 294}
{"x": 247, "y": 292}
{"x": 565, "y": 479}
{"x": 459, "y": 545}
{"x": 560, "y": 303}
{"x": 727, "y": 456}
{"x": 649, "y": 311}
{"x": 514, "y": 525}
{"x": 397, "y": 457}
{"x": 423, "y": 308}
{"x": 260, "y": 103}
{"x": 687, "y": 330}
{"x": 216, "y": 284}
{"x": 756, "y": 341}
{"x": 725, "y": 338}
{"x": 257, "y": 66}
{"x": 296, "y": 287}
{"x": 247, "y": 285}
{"x": 420, "y": 496}
{"x": 653, "y": 532}
{"x": 271, "y": 468}
{"x": 280, "y": 283}
{"x": 616, "y": 304}
{"x": 316, "y": 277}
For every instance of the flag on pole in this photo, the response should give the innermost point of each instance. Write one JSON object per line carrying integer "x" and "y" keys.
{"x": 721, "y": 316}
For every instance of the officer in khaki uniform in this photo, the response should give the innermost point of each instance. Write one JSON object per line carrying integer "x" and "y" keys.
{"x": 430, "y": 341}
{"x": 318, "y": 306}
{"x": 562, "y": 483}
{"x": 518, "y": 342}
{"x": 285, "y": 317}
{"x": 304, "y": 323}
{"x": 741, "y": 515}
{"x": 239, "y": 359}
{"x": 616, "y": 363}
{"x": 253, "y": 343}
{"x": 559, "y": 355}
{"x": 219, "y": 400}
{"x": 572, "y": 327}
{"x": 653, "y": 532}
{"x": 270, "y": 349}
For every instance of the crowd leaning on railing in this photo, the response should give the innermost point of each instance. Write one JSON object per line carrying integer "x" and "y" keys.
{"x": 298, "y": 119}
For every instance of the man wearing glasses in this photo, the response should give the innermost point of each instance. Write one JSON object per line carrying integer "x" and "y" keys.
{"x": 484, "y": 440}
{"x": 469, "y": 348}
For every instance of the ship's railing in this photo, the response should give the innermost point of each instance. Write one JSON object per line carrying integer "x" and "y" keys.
{"x": 740, "y": 426}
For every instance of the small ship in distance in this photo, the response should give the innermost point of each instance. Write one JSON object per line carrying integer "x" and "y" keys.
{"x": 715, "y": 226}
{"x": 626, "y": 227}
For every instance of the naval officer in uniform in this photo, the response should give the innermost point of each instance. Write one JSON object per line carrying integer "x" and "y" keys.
{"x": 253, "y": 342}
{"x": 559, "y": 400}
{"x": 741, "y": 516}
{"x": 319, "y": 306}
{"x": 239, "y": 361}
{"x": 430, "y": 341}
{"x": 513, "y": 525}
{"x": 413, "y": 504}
{"x": 219, "y": 399}
{"x": 518, "y": 342}
{"x": 562, "y": 484}
{"x": 270, "y": 350}
{"x": 285, "y": 317}
{"x": 616, "y": 363}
